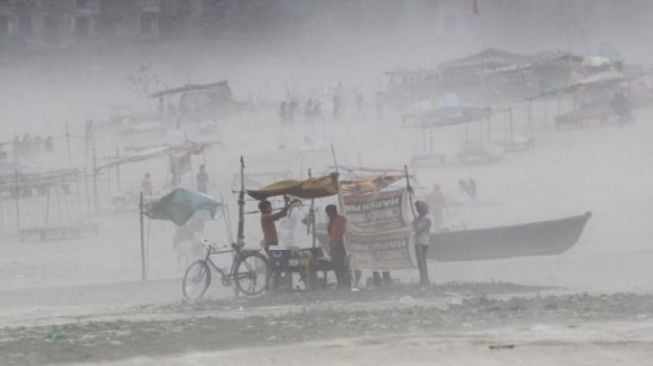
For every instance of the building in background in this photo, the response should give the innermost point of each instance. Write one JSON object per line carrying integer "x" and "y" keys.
{"x": 445, "y": 24}
{"x": 69, "y": 22}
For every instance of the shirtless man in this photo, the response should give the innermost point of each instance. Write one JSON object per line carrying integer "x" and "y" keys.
{"x": 338, "y": 254}
{"x": 268, "y": 222}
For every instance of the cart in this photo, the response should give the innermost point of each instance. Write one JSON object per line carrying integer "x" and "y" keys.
{"x": 309, "y": 262}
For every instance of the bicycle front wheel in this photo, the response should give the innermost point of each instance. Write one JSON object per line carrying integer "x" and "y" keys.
{"x": 196, "y": 280}
{"x": 251, "y": 274}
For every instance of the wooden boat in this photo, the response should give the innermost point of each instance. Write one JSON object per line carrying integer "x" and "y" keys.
{"x": 531, "y": 239}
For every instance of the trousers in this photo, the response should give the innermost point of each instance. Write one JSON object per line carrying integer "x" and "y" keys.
{"x": 339, "y": 264}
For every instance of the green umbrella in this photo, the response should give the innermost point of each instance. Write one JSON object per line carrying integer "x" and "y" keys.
{"x": 179, "y": 206}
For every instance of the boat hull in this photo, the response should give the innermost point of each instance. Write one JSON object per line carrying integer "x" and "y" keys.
{"x": 532, "y": 239}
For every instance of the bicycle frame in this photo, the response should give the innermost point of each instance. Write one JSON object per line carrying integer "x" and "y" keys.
{"x": 239, "y": 253}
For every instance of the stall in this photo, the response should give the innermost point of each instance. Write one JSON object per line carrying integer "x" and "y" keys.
{"x": 308, "y": 261}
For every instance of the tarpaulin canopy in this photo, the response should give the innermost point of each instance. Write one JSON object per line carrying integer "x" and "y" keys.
{"x": 370, "y": 184}
{"x": 179, "y": 206}
{"x": 605, "y": 79}
{"x": 490, "y": 58}
{"x": 152, "y": 152}
{"x": 307, "y": 189}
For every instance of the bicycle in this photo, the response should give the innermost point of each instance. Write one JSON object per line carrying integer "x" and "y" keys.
{"x": 249, "y": 270}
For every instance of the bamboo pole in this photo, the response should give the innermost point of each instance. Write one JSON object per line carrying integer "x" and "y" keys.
{"x": 70, "y": 156}
{"x": 86, "y": 190}
{"x": 95, "y": 173}
{"x": 47, "y": 207}
{"x": 314, "y": 243}
{"x": 143, "y": 261}
{"x": 240, "y": 240}
{"x": 17, "y": 196}
{"x": 118, "y": 169}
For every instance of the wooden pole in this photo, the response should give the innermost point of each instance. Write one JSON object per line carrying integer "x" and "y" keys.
{"x": 241, "y": 205}
{"x": 59, "y": 210}
{"x": 17, "y": 196}
{"x": 47, "y": 207}
{"x": 314, "y": 243}
{"x": 118, "y": 169}
{"x": 86, "y": 190}
{"x": 79, "y": 195}
{"x": 70, "y": 157}
{"x": 333, "y": 156}
{"x": 192, "y": 172}
{"x": 143, "y": 262}
{"x": 95, "y": 173}
{"x": 86, "y": 142}
{"x": 409, "y": 188}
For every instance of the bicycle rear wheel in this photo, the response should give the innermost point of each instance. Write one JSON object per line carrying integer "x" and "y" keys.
{"x": 196, "y": 280}
{"x": 251, "y": 274}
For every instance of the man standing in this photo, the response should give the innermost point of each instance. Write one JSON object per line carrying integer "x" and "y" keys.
{"x": 422, "y": 227}
{"x": 202, "y": 180}
{"x": 268, "y": 220}
{"x": 337, "y": 252}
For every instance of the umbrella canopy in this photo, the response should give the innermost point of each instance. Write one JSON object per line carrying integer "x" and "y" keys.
{"x": 179, "y": 206}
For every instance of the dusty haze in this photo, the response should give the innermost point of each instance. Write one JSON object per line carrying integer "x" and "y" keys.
{"x": 275, "y": 49}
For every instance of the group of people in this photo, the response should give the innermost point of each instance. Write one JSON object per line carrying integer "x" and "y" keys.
{"x": 29, "y": 146}
{"x": 289, "y": 111}
{"x": 336, "y": 229}
{"x": 340, "y": 101}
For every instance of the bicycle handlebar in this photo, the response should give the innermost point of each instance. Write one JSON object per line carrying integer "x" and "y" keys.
{"x": 213, "y": 247}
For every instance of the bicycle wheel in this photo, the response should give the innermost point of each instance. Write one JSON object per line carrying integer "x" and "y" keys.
{"x": 196, "y": 280}
{"x": 251, "y": 274}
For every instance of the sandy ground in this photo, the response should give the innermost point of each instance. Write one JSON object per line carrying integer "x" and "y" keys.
{"x": 538, "y": 346}
{"x": 476, "y": 324}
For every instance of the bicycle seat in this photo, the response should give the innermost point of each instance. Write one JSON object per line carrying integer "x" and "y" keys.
{"x": 209, "y": 245}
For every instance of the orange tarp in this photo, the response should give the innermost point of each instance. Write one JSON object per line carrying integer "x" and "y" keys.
{"x": 307, "y": 189}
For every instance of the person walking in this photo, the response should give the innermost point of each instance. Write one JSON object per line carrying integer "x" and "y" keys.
{"x": 336, "y": 230}
{"x": 422, "y": 229}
